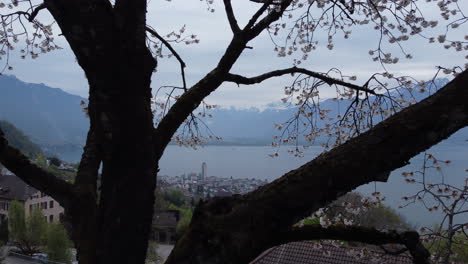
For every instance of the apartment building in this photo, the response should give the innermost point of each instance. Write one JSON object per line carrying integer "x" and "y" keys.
{"x": 51, "y": 209}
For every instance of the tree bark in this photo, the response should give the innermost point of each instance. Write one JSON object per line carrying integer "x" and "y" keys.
{"x": 236, "y": 229}
{"x": 109, "y": 44}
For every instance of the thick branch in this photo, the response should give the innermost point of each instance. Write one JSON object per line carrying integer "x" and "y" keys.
{"x": 33, "y": 175}
{"x": 231, "y": 17}
{"x": 260, "y": 78}
{"x": 409, "y": 239}
{"x": 228, "y": 224}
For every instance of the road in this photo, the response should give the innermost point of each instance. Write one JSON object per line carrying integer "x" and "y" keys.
{"x": 15, "y": 260}
{"x": 164, "y": 251}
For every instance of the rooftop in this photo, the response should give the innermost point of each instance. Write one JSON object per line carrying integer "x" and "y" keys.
{"x": 307, "y": 252}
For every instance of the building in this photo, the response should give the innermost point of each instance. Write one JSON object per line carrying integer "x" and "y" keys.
{"x": 12, "y": 188}
{"x": 204, "y": 172}
{"x": 164, "y": 226}
{"x": 51, "y": 209}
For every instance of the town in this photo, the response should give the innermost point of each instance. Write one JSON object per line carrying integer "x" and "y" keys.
{"x": 201, "y": 186}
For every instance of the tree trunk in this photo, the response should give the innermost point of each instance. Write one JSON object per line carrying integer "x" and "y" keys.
{"x": 121, "y": 113}
{"x": 109, "y": 44}
{"x": 237, "y": 229}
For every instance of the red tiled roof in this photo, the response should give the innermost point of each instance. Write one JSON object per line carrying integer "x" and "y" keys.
{"x": 306, "y": 253}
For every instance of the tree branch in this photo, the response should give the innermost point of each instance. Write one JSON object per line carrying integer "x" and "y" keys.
{"x": 409, "y": 239}
{"x": 190, "y": 100}
{"x": 182, "y": 63}
{"x": 257, "y": 14}
{"x": 33, "y": 175}
{"x": 267, "y": 20}
{"x": 231, "y": 17}
{"x": 260, "y": 78}
{"x": 36, "y": 11}
{"x": 226, "y": 225}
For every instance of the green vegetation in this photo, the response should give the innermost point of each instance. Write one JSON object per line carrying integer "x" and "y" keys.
{"x": 58, "y": 245}
{"x": 175, "y": 197}
{"x": 186, "y": 217}
{"x": 34, "y": 234}
{"x": 53, "y": 167}
{"x": 36, "y": 227}
{"x": 16, "y": 221}
{"x": 27, "y": 234}
{"x": 19, "y": 140}
{"x": 438, "y": 246}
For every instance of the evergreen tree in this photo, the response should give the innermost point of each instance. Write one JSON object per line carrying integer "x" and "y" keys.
{"x": 36, "y": 226}
{"x": 58, "y": 244}
{"x": 16, "y": 222}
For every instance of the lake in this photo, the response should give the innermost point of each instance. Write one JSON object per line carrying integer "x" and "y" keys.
{"x": 254, "y": 162}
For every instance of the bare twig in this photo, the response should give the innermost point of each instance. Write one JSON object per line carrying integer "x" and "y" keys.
{"x": 182, "y": 63}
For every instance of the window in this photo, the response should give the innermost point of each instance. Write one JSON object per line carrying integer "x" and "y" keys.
{"x": 30, "y": 208}
{"x": 51, "y": 204}
{"x": 51, "y": 218}
{"x": 61, "y": 217}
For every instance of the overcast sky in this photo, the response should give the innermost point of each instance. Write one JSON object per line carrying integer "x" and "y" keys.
{"x": 59, "y": 68}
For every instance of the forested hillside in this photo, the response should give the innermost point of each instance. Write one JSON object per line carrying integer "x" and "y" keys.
{"x": 19, "y": 140}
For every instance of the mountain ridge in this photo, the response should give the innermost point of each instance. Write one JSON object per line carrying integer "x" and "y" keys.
{"x": 54, "y": 119}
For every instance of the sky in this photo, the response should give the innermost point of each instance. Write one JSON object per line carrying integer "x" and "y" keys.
{"x": 59, "y": 68}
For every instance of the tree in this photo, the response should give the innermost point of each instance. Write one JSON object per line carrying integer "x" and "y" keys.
{"x": 36, "y": 227}
{"x": 27, "y": 234}
{"x": 17, "y": 221}
{"x": 109, "y": 39}
{"x": 364, "y": 211}
{"x": 58, "y": 245}
{"x": 175, "y": 197}
{"x": 448, "y": 240}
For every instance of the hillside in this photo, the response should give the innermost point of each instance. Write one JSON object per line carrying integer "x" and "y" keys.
{"x": 49, "y": 116}
{"x": 19, "y": 140}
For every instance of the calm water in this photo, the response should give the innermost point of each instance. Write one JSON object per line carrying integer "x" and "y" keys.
{"x": 254, "y": 162}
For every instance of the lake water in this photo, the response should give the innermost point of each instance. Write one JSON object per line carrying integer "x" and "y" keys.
{"x": 254, "y": 162}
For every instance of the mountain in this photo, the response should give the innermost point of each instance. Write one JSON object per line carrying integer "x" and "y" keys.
{"x": 54, "y": 119}
{"x": 49, "y": 116}
{"x": 19, "y": 140}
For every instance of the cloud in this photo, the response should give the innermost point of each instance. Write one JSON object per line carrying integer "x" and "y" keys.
{"x": 59, "y": 68}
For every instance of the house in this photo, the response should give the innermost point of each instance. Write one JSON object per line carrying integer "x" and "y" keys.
{"x": 164, "y": 226}
{"x": 12, "y": 188}
{"x": 308, "y": 252}
{"x": 51, "y": 209}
